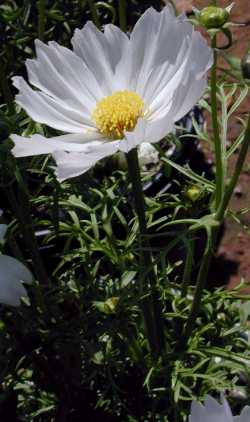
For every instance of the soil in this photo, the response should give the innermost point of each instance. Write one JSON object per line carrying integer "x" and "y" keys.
{"x": 232, "y": 261}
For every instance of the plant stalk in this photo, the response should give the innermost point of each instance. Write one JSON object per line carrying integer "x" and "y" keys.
{"x": 200, "y": 284}
{"x": 187, "y": 267}
{"x": 237, "y": 171}
{"x": 7, "y": 96}
{"x": 206, "y": 260}
{"x": 222, "y": 198}
{"x": 94, "y": 14}
{"x": 41, "y": 18}
{"x": 219, "y": 174}
{"x": 151, "y": 311}
{"x": 123, "y": 15}
{"x": 21, "y": 208}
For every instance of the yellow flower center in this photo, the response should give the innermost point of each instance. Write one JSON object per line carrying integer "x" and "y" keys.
{"x": 118, "y": 113}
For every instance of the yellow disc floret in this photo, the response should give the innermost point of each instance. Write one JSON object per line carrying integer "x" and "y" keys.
{"x": 118, "y": 113}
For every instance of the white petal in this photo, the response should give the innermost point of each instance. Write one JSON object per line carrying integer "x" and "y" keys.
{"x": 44, "y": 109}
{"x": 157, "y": 129}
{"x": 162, "y": 44}
{"x": 3, "y": 229}
{"x": 187, "y": 96}
{"x": 158, "y": 88}
{"x": 100, "y": 52}
{"x": 116, "y": 41}
{"x": 73, "y": 164}
{"x": 132, "y": 139}
{"x": 167, "y": 54}
{"x": 147, "y": 131}
{"x": 211, "y": 412}
{"x": 60, "y": 73}
{"x": 244, "y": 416}
{"x": 38, "y": 144}
{"x": 194, "y": 83}
{"x": 221, "y": 411}
{"x": 226, "y": 409}
{"x": 188, "y": 83}
{"x": 12, "y": 273}
{"x": 197, "y": 412}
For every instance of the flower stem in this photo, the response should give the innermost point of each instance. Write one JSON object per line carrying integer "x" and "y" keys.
{"x": 219, "y": 175}
{"x": 187, "y": 267}
{"x": 234, "y": 179}
{"x": 122, "y": 15}
{"x": 4, "y": 85}
{"x": 41, "y": 18}
{"x": 200, "y": 284}
{"x": 151, "y": 311}
{"x": 94, "y": 14}
{"x": 222, "y": 198}
{"x": 206, "y": 260}
{"x": 21, "y": 207}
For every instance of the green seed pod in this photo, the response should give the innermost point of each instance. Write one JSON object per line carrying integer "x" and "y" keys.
{"x": 213, "y": 17}
{"x": 245, "y": 66}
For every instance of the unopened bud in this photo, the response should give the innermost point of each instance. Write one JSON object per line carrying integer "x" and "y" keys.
{"x": 193, "y": 193}
{"x": 110, "y": 305}
{"x": 213, "y": 17}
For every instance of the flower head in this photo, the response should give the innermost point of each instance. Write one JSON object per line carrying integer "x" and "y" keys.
{"x": 213, "y": 17}
{"x": 113, "y": 91}
{"x": 12, "y": 274}
{"x": 213, "y": 411}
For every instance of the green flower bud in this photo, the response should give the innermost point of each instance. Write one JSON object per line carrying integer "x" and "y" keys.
{"x": 109, "y": 306}
{"x": 213, "y": 17}
{"x": 193, "y": 193}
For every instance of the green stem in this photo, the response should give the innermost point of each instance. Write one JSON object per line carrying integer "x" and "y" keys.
{"x": 123, "y": 15}
{"x": 21, "y": 208}
{"x": 7, "y": 96}
{"x": 31, "y": 244}
{"x": 152, "y": 314}
{"x": 206, "y": 260}
{"x": 187, "y": 267}
{"x": 222, "y": 198}
{"x": 94, "y": 14}
{"x": 41, "y": 18}
{"x": 234, "y": 179}
{"x": 200, "y": 284}
{"x": 219, "y": 175}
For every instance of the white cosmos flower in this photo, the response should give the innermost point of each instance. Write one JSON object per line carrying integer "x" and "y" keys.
{"x": 213, "y": 411}
{"x": 113, "y": 91}
{"x": 12, "y": 274}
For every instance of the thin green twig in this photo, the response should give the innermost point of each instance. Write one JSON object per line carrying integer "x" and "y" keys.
{"x": 123, "y": 15}
{"x": 94, "y": 13}
{"x": 151, "y": 311}
{"x": 219, "y": 175}
{"x": 237, "y": 171}
{"x": 41, "y": 4}
{"x": 187, "y": 267}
